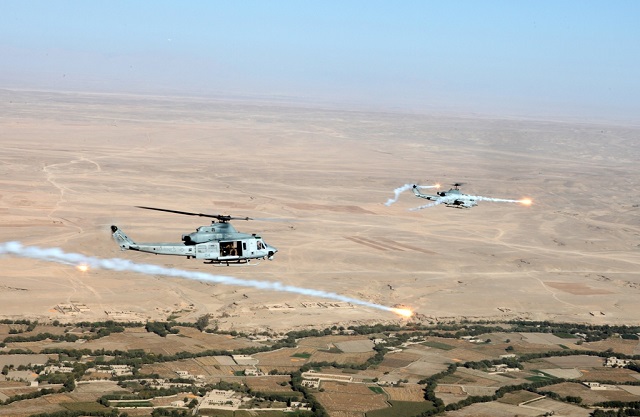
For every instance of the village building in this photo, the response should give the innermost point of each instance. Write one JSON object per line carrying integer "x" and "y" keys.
{"x": 613, "y": 362}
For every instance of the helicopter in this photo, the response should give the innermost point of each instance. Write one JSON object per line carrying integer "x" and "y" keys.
{"x": 455, "y": 198}
{"x": 218, "y": 243}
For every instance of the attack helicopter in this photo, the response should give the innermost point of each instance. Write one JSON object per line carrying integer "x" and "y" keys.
{"x": 218, "y": 243}
{"x": 455, "y": 198}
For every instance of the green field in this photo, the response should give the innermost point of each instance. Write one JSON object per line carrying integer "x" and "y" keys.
{"x": 437, "y": 345}
{"x": 565, "y": 335}
{"x": 377, "y": 390}
{"x": 129, "y": 404}
{"x": 88, "y": 406}
{"x": 303, "y": 355}
{"x": 537, "y": 378}
{"x": 402, "y": 409}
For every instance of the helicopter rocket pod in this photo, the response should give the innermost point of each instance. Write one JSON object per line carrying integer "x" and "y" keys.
{"x": 218, "y": 243}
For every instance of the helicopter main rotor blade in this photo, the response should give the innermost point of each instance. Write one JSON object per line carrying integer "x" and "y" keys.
{"x": 220, "y": 217}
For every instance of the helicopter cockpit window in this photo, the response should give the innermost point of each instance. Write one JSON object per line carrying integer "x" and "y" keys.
{"x": 260, "y": 245}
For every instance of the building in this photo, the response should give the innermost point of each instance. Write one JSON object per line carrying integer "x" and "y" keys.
{"x": 613, "y": 362}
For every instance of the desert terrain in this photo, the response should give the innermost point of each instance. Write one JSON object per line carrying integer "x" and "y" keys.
{"x": 73, "y": 164}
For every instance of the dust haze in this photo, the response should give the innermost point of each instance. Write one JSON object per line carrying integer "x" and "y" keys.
{"x": 73, "y": 164}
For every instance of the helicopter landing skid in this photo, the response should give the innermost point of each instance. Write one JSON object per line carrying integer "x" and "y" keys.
{"x": 233, "y": 263}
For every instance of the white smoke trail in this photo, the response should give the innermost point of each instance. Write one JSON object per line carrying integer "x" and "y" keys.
{"x": 115, "y": 264}
{"x": 404, "y": 188}
{"x": 435, "y": 203}
{"x": 497, "y": 200}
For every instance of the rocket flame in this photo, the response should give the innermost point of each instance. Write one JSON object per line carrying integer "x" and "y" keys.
{"x": 83, "y": 267}
{"x": 525, "y": 201}
{"x": 404, "y": 312}
{"x": 437, "y": 186}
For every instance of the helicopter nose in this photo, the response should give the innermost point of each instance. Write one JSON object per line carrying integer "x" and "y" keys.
{"x": 272, "y": 251}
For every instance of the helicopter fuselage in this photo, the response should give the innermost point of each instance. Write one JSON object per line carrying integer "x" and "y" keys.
{"x": 218, "y": 243}
{"x": 451, "y": 198}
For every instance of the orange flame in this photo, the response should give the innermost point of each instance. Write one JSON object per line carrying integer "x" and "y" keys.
{"x": 404, "y": 312}
{"x": 83, "y": 267}
{"x": 525, "y": 201}
{"x": 437, "y": 185}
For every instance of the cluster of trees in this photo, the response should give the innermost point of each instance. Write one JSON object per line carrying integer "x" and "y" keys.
{"x": 66, "y": 379}
{"x": 593, "y": 332}
{"x": 623, "y": 412}
{"x": 98, "y": 330}
{"x": 42, "y": 336}
{"x": 161, "y": 328}
{"x": 29, "y": 396}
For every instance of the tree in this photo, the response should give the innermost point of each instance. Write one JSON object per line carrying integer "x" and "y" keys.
{"x": 202, "y": 322}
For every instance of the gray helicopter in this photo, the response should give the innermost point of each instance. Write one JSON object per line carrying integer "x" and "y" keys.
{"x": 218, "y": 243}
{"x": 455, "y": 198}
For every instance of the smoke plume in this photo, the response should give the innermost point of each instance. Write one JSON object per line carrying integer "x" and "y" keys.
{"x": 115, "y": 264}
{"x": 435, "y": 203}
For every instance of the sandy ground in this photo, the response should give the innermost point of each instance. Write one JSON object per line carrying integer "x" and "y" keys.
{"x": 73, "y": 164}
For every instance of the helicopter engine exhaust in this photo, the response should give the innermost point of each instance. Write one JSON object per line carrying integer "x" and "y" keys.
{"x": 57, "y": 255}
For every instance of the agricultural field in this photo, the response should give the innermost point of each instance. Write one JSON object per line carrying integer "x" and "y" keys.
{"x": 615, "y": 375}
{"x": 402, "y": 409}
{"x": 547, "y": 339}
{"x": 341, "y": 358}
{"x": 269, "y": 384}
{"x": 195, "y": 366}
{"x": 591, "y": 396}
{"x": 628, "y": 347}
{"x": 580, "y": 362}
{"x": 339, "y": 396}
{"x": 47, "y": 404}
{"x": 329, "y": 341}
{"x": 493, "y": 409}
{"x": 406, "y": 392}
{"x": 515, "y": 398}
{"x": 400, "y": 359}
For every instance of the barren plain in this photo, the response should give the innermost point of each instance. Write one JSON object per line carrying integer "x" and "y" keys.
{"x": 73, "y": 164}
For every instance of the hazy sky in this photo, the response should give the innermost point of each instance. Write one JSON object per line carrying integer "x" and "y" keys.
{"x": 561, "y": 57}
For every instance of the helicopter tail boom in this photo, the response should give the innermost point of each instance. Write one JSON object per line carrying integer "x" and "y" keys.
{"x": 121, "y": 239}
{"x": 416, "y": 191}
